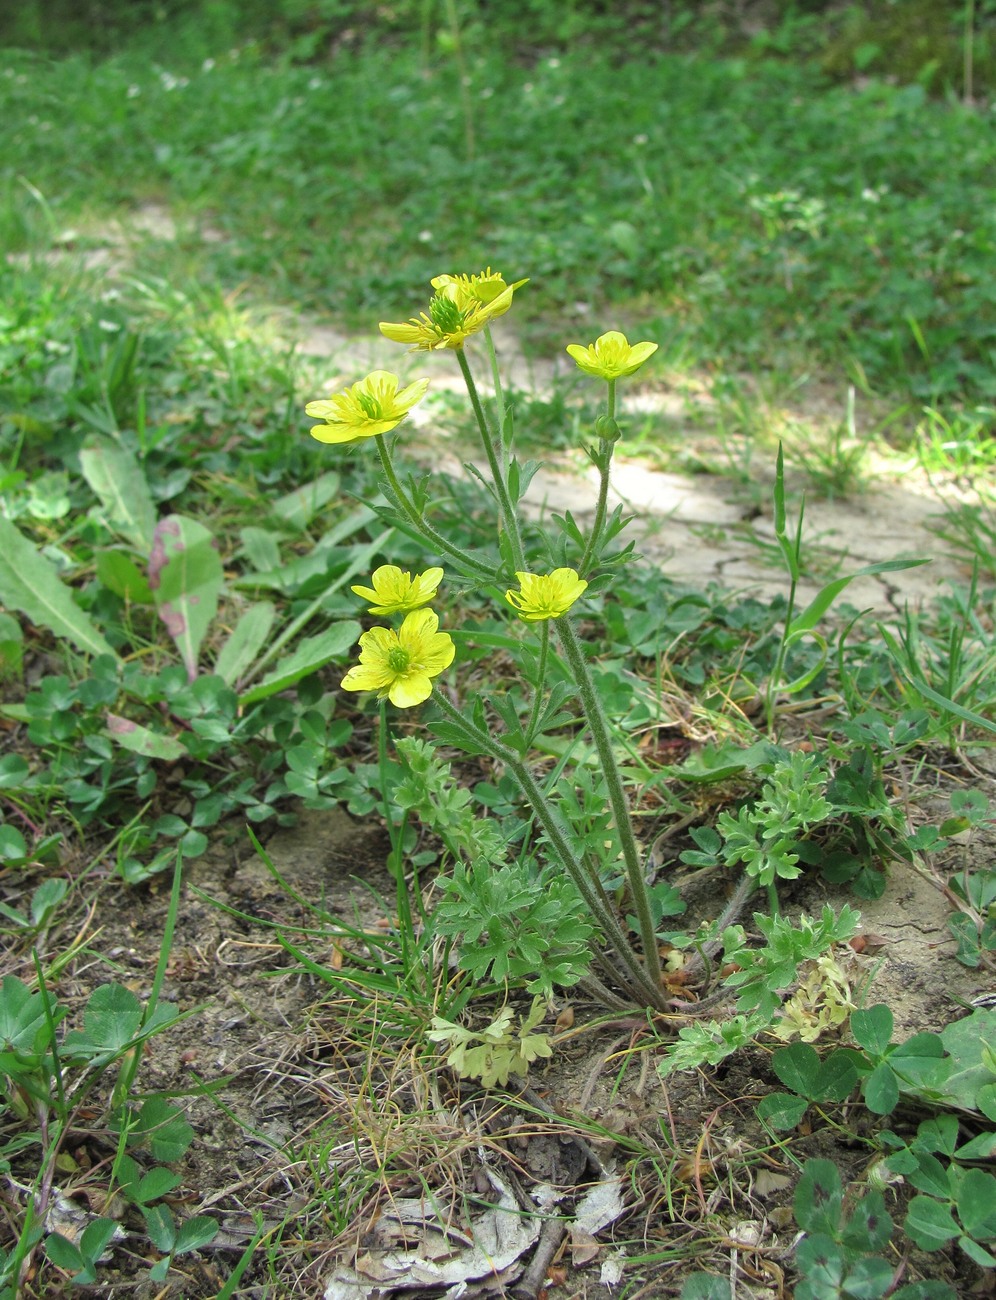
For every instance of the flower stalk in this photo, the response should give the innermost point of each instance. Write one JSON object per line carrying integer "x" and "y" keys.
{"x": 510, "y": 521}
{"x": 415, "y": 517}
{"x": 595, "y": 717}
{"x": 603, "y": 461}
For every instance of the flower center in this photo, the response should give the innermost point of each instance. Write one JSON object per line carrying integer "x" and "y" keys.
{"x": 398, "y": 659}
{"x": 445, "y": 314}
{"x": 371, "y": 407}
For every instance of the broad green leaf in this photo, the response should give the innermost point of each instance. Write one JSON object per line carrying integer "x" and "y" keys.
{"x": 870, "y": 1225}
{"x": 797, "y": 1067}
{"x": 142, "y": 740}
{"x": 310, "y": 655}
{"x": 46, "y": 899}
{"x": 195, "y": 1233}
{"x": 965, "y": 1041}
{"x": 986, "y": 1100}
{"x": 977, "y": 1204}
{"x": 929, "y": 1223}
{"x": 868, "y": 1279}
{"x": 704, "y": 1286}
{"x": 31, "y": 584}
{"x": 978, "y": 1253}
{"x": 23, "y": 1023}
{"x": 872, "y": 1029}
{"x": 13, "y": 847}
{"x": 781, "y": 1110}
{"x": 982, "y": 1147}
{"x": 299, "y": 507}
{"x": 248, "y": 637}
{"x": 837, "y": 1077}
{"x": 160, "y": 1226}
{"x": 11, "y": 648}
{"x": 925, "y": 1291}
{"x": 820, "y": 1262}
{"x": 119, "y": 573}
{"x": 14, "y": 771}
{"x": 185, "y": 575}
{"x": 819, "y": 1197}
{"x": 921, "y": 1065}
{"x": 157, "y": 1182}
{"x": 63, "y": 1254}
{"x": 261, "y": 548}
{"x": 881, "y": 1090}
{"x": 163, "y": 1129}
{"x": 119, "y": 481}
{"x": 930, "y": 1176}
{"x": 111, "y": 1019}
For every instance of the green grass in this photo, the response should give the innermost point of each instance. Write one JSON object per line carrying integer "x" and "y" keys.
{"x": 745, "y": 213}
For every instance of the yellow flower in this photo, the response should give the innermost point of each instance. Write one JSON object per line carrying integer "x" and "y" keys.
{"x": 394, "y": 592}
{"x": 462, "y": 305}
{"x": 400, "y": 665}
{"x": 372, "y": 406}
{"x": 545, "y": 595}
{"x": 611, "y": 356}
{"x": 484, "y": 287}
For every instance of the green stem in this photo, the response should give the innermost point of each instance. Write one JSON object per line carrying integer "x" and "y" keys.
{"x": 496, "y": 379}
{"x": 396, "y": 833}
{"x": 595, "y": 715}
{"x": 540, "y": 680}
{"x": 509, "y": 518}
{"x": 476, "y": 567}
{"x": 605, "y": 448}
{"x": 641, "y": 985}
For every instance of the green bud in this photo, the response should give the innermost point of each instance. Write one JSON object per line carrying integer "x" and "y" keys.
{"x": 445, "y": 313}
{"x": 607, "y": 429}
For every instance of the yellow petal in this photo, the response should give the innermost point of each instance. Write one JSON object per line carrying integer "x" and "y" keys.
{"x": 412, "y": 689}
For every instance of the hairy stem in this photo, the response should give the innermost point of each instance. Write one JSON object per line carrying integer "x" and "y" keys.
{"x": 509, "y": 519}
{"x": 476, "y": 567}
{"x": 595, "y": 716}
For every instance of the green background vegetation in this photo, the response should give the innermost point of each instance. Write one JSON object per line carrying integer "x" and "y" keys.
{"x": 792, "y": 187}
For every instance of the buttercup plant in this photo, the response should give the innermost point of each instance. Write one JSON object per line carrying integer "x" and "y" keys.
{"x": 405, "y": 667}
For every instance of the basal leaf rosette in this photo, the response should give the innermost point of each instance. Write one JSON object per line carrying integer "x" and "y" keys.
{"x": 545, "y": 595}
{"x": 611, "y": 356}
{"x": 370, "y": 407}
{"x": 395, "y": 592}
{"x": 461, "y": 306}
{"x": 400, "y": 665}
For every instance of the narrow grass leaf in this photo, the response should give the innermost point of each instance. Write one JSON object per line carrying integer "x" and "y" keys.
{"x": 312, "y": 653}
{"x": 30, "y": 583}
{"x": 823, "y": 599}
